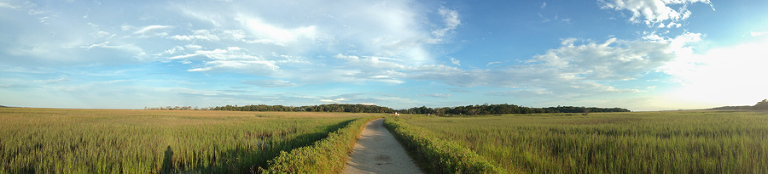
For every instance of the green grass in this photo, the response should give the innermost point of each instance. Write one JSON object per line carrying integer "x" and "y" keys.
{"x": 326, "y": 156}
{"x": 141, "y": 141}
{"x": 436, "y": 155}
{"x": 641, "y": 142}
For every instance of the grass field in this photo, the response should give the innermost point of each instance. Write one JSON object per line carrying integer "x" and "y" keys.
{"x": 142, "y": 141}
{"x": 639, "y": 142}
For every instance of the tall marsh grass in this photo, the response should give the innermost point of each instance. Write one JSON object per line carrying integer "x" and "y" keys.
{"x": 642, "y": 142}
{"x": 142, "y": 141}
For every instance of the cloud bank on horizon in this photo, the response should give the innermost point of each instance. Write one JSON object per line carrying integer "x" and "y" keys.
{"x": 636, "y": 54}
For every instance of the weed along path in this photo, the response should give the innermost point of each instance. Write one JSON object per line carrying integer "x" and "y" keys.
{"x": 377, "y": 151}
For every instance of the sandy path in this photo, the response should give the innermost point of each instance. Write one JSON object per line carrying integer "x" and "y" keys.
{"x": 377, "y": 151}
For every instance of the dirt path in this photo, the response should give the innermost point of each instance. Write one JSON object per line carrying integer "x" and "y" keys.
{"x": 377, "y": 151}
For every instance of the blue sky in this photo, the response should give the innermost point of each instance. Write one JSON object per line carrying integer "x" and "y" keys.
{"x": 635, "y": 54}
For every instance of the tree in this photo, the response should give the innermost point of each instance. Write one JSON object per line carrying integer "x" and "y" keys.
{"x": 762, "y": 105}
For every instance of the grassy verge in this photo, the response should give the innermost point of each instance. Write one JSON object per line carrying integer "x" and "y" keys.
{"x": 436, "y": 155}
{"x": 326, "y": 156}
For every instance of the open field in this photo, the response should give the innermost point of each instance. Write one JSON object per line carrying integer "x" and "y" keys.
{"x": 143, "y": 141}
{"x": 639, "y": 142}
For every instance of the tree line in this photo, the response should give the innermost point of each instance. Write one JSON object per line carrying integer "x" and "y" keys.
{"x": 485, "y": 109}
{"x": 354, "y": 108}
{"x": 496, "y": 109}
{"x": 761, "y": 105}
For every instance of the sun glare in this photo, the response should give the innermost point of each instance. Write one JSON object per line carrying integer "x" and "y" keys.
{"x": 725, "y": 76}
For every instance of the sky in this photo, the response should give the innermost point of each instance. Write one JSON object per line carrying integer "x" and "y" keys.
{"x": 637, "y": 54}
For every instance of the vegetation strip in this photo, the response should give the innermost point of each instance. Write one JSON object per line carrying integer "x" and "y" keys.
{"x": 436, "y": 155}
{"x": 325, "y": 156}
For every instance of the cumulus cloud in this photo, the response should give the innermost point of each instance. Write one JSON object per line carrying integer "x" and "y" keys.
{"x": 610, "y": 60}
{"x": 574, "y": 69}
{"x": 652, "y": 12}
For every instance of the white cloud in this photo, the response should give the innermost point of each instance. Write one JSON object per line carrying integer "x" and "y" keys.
{"x": 383, "y": 37}
{"x": 233, "y": 48}
{"x": 271, "y": 83}
{"x": 197, "y": 35}
{"x": 437, "y": 95}
{"x": 171, "y": 51}
{"x": 450, "y": 75}
{"x": 59, "y": 41}
{"x": 232, "y": 59}
{"x": 612, "y": 60}
{"x": 368, "y": 68}
{"x": 494, "y": 62}
{"x": 334, "y": 100}
{"x": 571, "y": 71}
{"x": 153, "y": 30}
{"x": 213, "y": 54}
{"x": 127, "y": 27}
{"x": 451, "y": 20}
{"x": 193, "y": 46}
{"x": 271, "y": 33}
{"x": 652, "y": 12}
{"x": 543, "y": 5}
{"x": 369, "y": 62}
{"x": 242, "y": 66}
{"x": 455, "y": 61}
